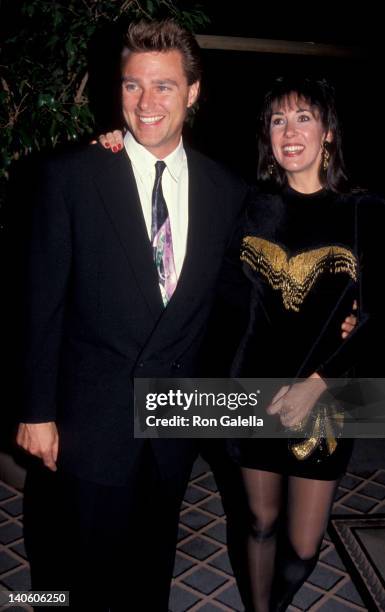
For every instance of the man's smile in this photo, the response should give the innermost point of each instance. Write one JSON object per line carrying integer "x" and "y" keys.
{"x": 150, "y": 120}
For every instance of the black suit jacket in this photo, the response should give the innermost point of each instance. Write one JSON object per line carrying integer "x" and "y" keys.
{"x": 95, "y": 318}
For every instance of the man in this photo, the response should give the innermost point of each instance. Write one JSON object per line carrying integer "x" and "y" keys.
{"x": 125, "y": 255}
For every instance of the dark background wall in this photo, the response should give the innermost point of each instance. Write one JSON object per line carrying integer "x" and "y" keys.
{"x": 323, "y": 21}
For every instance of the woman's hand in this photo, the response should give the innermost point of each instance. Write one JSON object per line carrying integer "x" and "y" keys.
{"x": 293, "y": 403}
{"x": 111, "y": 140}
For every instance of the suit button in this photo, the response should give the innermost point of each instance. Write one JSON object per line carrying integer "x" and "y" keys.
{"x": 176, "y": 365}
{"x": 140, "y": 364}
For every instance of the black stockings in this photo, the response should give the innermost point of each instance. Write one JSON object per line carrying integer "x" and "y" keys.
{"x": 264, "y": 492}
{"x": 279, "y": 566}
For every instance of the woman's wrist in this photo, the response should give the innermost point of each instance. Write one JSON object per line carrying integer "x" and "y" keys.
{"x": 318, "y": 382}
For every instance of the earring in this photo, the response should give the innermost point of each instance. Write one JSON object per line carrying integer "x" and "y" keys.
{"x": 270, "y": 169}
{"x": 325, "y": 156}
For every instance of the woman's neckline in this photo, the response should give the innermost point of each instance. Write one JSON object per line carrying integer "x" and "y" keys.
{"x": 300, "y": 194}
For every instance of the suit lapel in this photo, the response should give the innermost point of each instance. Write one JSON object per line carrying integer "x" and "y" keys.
{"x": 117, "y": 186}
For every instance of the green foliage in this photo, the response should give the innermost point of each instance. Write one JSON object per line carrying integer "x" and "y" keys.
{"x": 43, "y": 68}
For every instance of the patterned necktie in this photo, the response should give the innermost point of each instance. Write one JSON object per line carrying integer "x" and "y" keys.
{"x": 161, "y": 238}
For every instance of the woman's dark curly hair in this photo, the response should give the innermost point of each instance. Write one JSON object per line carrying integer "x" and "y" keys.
{"x": 319, "y": 94}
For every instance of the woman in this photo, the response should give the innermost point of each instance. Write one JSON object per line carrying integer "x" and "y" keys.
{"x": 309, "y": 251}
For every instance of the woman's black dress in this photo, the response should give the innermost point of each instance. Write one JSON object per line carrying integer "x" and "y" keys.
{"x": 308, "y": 258}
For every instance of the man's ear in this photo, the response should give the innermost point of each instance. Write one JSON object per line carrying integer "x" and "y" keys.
{"x": 193, "y": 93}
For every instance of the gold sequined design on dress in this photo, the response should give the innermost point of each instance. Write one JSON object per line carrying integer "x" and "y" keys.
{"x": 295, "y": 276}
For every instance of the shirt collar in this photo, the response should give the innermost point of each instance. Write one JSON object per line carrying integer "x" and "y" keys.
{"x": 144, "y": 161}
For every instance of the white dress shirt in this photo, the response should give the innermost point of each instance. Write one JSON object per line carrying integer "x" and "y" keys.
{"x": 174, "y": 186}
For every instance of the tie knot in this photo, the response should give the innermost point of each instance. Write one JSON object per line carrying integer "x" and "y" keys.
{"x": 159, "y": 168}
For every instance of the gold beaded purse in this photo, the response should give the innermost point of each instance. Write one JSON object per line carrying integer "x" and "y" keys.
{"x": 320, "y": 430}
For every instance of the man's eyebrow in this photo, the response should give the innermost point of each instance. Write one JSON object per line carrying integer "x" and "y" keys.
{"x": 165, "y": 82}
{"x": 131, "y": 79}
